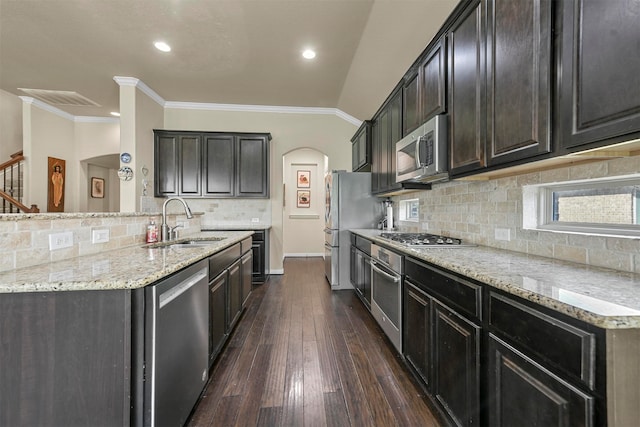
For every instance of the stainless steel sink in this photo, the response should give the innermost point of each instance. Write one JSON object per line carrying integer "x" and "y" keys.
{"x": 186, "y": 243}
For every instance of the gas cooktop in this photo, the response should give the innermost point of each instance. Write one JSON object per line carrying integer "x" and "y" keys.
{"x": 424, "y": 240}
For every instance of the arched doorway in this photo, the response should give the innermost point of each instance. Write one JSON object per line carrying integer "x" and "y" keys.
{"x": 303, "y": 210}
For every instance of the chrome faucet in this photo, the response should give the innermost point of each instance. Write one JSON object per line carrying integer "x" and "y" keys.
{"x": 165, "y": 232}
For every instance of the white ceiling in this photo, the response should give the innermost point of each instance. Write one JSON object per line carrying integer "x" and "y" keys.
{"x": 224, "y": 51}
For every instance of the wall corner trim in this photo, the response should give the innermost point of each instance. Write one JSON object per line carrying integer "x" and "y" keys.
{"x": 139, "y": 84}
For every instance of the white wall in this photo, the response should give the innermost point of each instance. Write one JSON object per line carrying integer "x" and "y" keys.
{"x": 139, "y": 115}
{"x": 10, "y": 125}
{"x": 48, "y": 135}
{"x": 328, "y": 134}
{"x": 52, "y": 133}
{"x": 97, "y": 139}
{"x": 303, "y": 228}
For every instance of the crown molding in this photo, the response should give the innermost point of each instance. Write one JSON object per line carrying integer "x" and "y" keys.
{"x": 58, "y": 112}
{"x": 262, "y": 109}
{"x": 95, "y": 119}
{"x": 139, "y": 84}
{"x": 44, "y": 106}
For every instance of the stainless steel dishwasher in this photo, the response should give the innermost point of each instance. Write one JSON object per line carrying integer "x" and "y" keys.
{"x": 176, "y": 345}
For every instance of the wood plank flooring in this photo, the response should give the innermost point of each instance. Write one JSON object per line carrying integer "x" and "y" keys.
{"x": 303, "y": 355}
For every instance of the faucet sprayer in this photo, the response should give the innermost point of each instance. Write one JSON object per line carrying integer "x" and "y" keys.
{"x": 165, "y": 229}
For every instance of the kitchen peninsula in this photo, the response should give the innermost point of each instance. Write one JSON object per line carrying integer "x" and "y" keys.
{"x": 73, "y": 330}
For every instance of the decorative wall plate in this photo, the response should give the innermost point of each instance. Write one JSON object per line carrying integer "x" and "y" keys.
{"x": 125, "y": 157}
{"x": 125, "y": 173}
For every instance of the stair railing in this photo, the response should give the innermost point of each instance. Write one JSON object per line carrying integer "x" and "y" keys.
{"x": 11, "y": 186}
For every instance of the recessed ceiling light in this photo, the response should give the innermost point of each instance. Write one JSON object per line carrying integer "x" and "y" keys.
{"x": 162, "y": 46}
{"x": 115, "y": 113}
{"x": 309, "y": 54}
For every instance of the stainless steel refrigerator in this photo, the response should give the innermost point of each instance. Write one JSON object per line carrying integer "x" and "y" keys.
{"x": 348, "y": 205}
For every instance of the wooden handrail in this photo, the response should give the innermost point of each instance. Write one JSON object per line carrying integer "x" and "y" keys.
{"x": 23, "y": 208}
{"x": 13, "y": 161}
{"x": 16, "y": 154}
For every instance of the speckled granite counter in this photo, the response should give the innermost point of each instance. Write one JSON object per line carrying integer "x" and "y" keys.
{"x": 125, "y": 268}
{"x": 602, "y": 297}
{"x": 244, "y": 226}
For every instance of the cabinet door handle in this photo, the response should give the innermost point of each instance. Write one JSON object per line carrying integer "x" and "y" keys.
{"x": 417, "y": 298}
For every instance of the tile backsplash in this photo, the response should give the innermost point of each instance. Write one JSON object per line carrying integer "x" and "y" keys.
{"x": 25, "y": 242}
{"x": 473, "y": 210}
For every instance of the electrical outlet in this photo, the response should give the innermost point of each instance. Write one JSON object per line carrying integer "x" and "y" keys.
{"x": 100, "y": 236}
{"x": 255, "y": 219}
{"x": 60, "y": 240}
{"x": 503, "y": 234}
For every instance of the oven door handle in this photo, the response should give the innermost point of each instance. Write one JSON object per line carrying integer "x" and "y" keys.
{"x": 395, "y": 279}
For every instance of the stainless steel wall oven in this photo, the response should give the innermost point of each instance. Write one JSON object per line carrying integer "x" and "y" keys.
{"x": 387, "y": 271}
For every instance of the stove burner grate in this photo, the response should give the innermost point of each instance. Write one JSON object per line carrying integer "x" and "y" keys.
{"x": 422, "y": 239}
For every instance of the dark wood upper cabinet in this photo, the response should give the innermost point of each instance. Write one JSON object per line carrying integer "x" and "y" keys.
{"x": 411, "y": 101}
{"x": 500, "y": 84}
{"x": 177, "y": 157}
{"x": 218, "y": 168}
{"x": 467, "y": 98}
{"x": 189, "y": 160}
{"x": 599, "y": 73}
{"x": 166, "y": 160}
{"x": 252, "y": 163}
{"x": 424, "y": 89}
{"x": 518, "y": 79}
{"x": 211, "y": 164}
{"x": 433, "y": 82}
{"x": 387, "y": 130}
{"x": 361, "y": 148}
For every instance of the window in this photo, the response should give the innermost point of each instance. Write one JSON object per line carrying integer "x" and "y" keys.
{"x": 607, "y": 206}
{"x": 409, "y": 210}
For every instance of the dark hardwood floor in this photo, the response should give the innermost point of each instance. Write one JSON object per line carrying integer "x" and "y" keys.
{"x": 302, "y": 355}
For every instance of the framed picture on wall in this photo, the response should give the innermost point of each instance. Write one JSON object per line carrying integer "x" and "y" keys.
{"x": 55, "y": 178}
{"x": 304, "y": 199}
{"x": 97, "y": 188}
{"x": 304, "y": 179}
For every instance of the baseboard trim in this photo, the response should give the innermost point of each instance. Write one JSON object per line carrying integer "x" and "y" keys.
{"x": 301, "y": 255}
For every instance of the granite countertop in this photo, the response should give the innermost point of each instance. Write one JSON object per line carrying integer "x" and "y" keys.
{"x": 124, "y": 268}
{"x": 602, "y": 297}
{"x": 84, "y": 215}
{"x": 242, "y": 226}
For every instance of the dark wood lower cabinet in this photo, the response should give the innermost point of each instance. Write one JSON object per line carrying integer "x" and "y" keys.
{"x": 65, "y": 358}
{"x": 523, "y": 393}
{"x": 417, "y": 331}
{"x": 456, "y": 380}
{"x": 487, "y": 358}
{"x": 234, "y": 296}
{"x": 247, "y": 275}
{"x": 217, "y": 315}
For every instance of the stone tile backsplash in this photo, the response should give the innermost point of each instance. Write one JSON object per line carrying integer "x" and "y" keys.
{"x": 472, "y": 210}
{"x": 25, "y": 242}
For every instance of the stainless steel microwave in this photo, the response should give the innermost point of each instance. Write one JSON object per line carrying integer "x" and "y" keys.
{"x": 421, "y": 156}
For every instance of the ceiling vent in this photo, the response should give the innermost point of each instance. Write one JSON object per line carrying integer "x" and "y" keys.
{"x": 60, "y": 97}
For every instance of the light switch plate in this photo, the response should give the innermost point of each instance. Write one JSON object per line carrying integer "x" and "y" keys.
{"x": 100, "y": 236}
{"x": 60, "y": 240}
